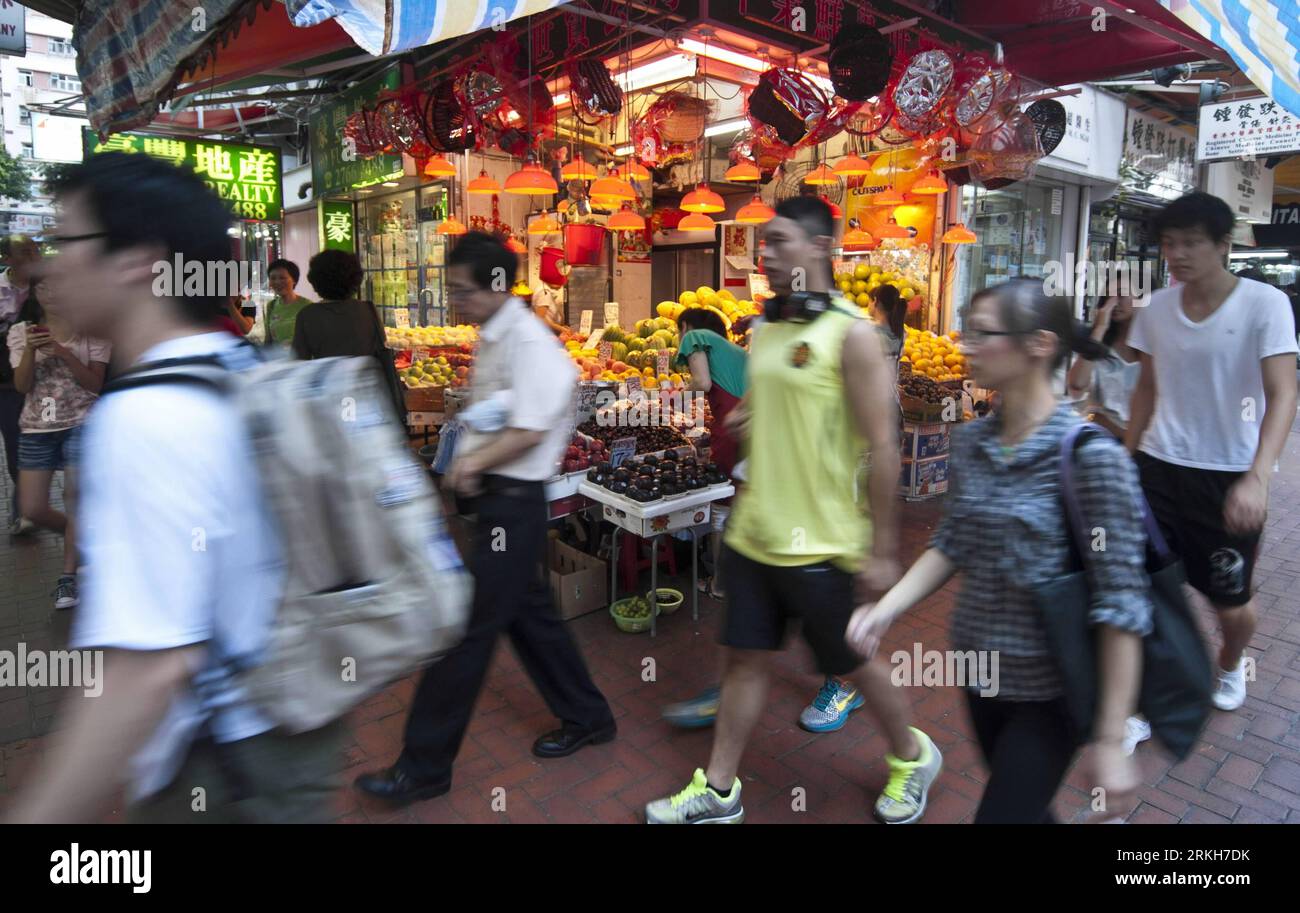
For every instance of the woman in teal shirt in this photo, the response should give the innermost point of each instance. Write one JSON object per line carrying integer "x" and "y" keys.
{"x": 282, "y": 311}
{"x": 717, "y": 367}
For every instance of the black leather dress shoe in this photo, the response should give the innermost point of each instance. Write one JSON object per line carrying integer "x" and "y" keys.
{"x": 566, "y": 741}
{"x": 394, "y": 785}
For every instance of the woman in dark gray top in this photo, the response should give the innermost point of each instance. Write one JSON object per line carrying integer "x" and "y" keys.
{"x": 1005, "y": 531}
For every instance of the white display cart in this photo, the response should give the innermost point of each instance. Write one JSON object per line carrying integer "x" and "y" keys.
{"x": 652, "y": 520}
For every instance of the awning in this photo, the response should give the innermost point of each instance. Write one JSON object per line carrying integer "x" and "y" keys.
{"x": 1263, "y": 37}
{"x": 400, "y": 25}
{"x": 1061, "y": 42}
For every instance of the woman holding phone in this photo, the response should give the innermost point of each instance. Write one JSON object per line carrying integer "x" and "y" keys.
{"x": 61, "y": 374}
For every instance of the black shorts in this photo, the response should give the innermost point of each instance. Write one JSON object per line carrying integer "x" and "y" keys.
{"x": 763, "y": 601}
{"x": 1188, "y": 505}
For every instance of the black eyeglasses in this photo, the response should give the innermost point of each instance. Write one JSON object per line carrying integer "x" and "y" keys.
{"x": 978, "y": 336}
{"x": 68, "y": 239}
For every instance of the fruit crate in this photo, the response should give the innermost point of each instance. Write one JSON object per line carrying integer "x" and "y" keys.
{"x": 425, "y": 399}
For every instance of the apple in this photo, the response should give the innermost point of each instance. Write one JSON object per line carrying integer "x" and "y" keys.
{"x": 572, "y": 453}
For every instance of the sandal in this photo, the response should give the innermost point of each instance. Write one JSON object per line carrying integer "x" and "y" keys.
{"x": 705, "y": 586}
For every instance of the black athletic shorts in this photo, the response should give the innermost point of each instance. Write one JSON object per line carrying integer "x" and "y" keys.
{"x": 1188, "y": 505}
{"x": 763, "y": 601}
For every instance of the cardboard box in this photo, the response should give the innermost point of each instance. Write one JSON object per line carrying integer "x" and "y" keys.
{"x": 579, "y": 582}
{"x": 653, "y": 526}
{"x": 922, "y": 479}
{"x": 925, "y": 441}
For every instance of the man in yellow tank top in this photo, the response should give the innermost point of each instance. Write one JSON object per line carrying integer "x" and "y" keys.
{"x": 798, "y": 539}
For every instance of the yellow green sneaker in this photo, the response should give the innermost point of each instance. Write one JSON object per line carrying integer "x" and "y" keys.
{"x": 903, "y": 801}
{"x": 698, "y": 803}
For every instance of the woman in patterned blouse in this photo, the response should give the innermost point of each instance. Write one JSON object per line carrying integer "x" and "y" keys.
{"x": 1005, "y": 531}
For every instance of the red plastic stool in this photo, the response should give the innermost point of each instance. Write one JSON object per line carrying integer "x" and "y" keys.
{"x": 633, "y": 558}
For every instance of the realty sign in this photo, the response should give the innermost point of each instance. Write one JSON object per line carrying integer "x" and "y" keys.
{"x": 13, "y": 29}
{"x": 1246, "y": 128}
{"x": 246, "y": 177}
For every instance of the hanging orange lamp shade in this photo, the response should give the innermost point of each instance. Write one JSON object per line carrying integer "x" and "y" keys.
{"x": 439, "y": 167}
{"x": 822, "y": 174}
{"x": 888, "y": 197}
{"x": 959, "y": 234}
{"x": 625, "y": 220}
{"x": 631, "y": 171}
{"x": 856, "y": 237}
{"x": 484, "y": 184}
{"x": 893, "y": 230}
{"x": 531, "y": 179}
{"x": 578, "y": 170}
{"x": 702, "y": 199}
{"x": 696, "y": 221}
{"x": 755, "y": 213}
{"x": 930, "y": 185}
{"x": 608, "y": 188}
{"x": 743, "y": 170}
{"x": 852, "y": 165}
{"x": 451, "y": 226}
{"x": 515, "y": 247}
{"x": 543, "y": 225}
{"x": 836, "y": 212}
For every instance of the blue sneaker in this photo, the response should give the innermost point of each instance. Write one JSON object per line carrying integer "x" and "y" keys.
{"x": 830, "y": 710}
{"x": 697, "y": 713}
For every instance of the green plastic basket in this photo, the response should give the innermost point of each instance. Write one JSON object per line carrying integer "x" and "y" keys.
{"x": 630, "y": 625}
{"x": 669, "y": 601}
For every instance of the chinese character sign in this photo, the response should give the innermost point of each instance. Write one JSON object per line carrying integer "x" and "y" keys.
{"x": 1246, "y": 127}
{"x": 246, "y": 177}
{"x": 1157, "y": 157}
{"x": 336, "y": 226}
{"x": 335, "y": 165}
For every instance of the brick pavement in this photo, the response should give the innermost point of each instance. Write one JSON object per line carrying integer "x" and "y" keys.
{"x": 1246, "y": 768}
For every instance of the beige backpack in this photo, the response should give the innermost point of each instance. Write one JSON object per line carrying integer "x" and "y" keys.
{"x": 373, "y": 587}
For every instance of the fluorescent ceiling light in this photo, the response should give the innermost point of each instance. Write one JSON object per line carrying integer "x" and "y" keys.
{"x": 667, "y": 69}
{"x": 715, "y": 52}
{"x": 623, "y": 150}
{"x": 726, "y": 126}
{"x": 1261, "y": 255}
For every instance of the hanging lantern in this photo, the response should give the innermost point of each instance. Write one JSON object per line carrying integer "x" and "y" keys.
{"x": 483, "y": 184}
{"x": 930, "y": 185}
{"x": 743, "y": 170}
{"x": 611, "y": 188}
{"x": 755, "y": 213}
{"x": 852, "y": 165}
{"x": 696, "y": 221}
{"x": 451, "y": 226}
{"x": 439, "y": 167}
{"x": 531, "y": 179}
{"x": 701, "y": 200}
{"x": 631, "y": 171}
{"x": 578, "y": 170}
{"x": 625, "y": 220}
{"x": 543, "y": 225}
{"x": 856, "y": 237}
{"x": 822, "y": 175}
{"x": 959, "y": 234}
{"x": 888, "y": 197}
{"x": 893, "y": 230}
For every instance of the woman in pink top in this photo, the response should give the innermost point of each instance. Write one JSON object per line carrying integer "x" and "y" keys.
{"x": 61, "y": 374}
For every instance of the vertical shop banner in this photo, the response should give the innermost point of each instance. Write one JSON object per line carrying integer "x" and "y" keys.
{"x": 1246, "y": 127}
{"x": 1158, "y": 158}
{"x": 247, "y": 177}
{"x": 1245, "y": 186}
{"x": 335, "y": 165}
{"x": 337, "y": 226}
{"x": 13, "y": 29}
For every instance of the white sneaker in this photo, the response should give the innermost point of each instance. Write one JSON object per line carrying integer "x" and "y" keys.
{"x": 21, "y": 526}
{"x": 1136, "y": 730}
{"x": 1231, "y": 692}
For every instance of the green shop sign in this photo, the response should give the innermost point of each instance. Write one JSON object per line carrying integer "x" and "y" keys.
{"x": 247, "y": 177}
{"x": 337, "y": 226}
{"x": 335, "y": 165}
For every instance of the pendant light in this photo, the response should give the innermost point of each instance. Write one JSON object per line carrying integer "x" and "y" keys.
{"x": 531, "y": 179}
{"x": 451, "y": 226}
{"x": 578, "y": 170}
{"x": 821, "y": 175}
{"x": 743, "y": 170}
{"x": 959, "y": 234}
{"x": 484, "y": 184}
{"x": 930, "y": 185}
{"x": 543, "y": 225}
{"x": 631, "y": 170}
{"x": 439, "y": 167}
{"x": 612, "y": 188}
{"x": 625, "y": 220}
{"x": 702, "y": 199}
{"x": 856, "y": 237}
{"x": 892, "y": 229}
{"x": 696, "y": 221}
{"x": 852, "y": 165}
{"x": 888, "y": 197}
{"x": 755, "y": 213}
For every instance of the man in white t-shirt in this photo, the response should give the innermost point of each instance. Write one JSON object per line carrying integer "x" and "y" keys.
{"x": 181, "y": 557}
{"x": 1210, "y": 415}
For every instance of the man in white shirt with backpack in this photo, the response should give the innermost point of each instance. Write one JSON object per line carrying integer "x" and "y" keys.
{"x": 191, "y": 563}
